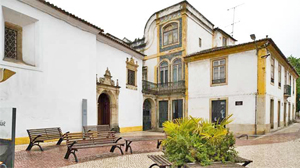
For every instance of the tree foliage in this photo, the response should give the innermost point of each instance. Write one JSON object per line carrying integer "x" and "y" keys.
{"x": 295, "y": 62}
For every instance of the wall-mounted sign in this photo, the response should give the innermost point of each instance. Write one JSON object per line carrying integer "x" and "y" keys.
{"x": 239, "y": 103}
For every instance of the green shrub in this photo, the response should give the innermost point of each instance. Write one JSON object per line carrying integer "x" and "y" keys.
{"x": 194, "y": 139}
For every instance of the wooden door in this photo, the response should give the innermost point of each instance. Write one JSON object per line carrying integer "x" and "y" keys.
{"x": 103, "y": 110}
{"x": 146, "y": 115}
{"x": 163, "y": 112}
{"x": 272, "y": 114}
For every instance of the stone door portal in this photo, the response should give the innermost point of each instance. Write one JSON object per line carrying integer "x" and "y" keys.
{"x": 108, "y": 101}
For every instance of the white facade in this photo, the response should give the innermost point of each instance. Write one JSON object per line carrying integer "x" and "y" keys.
{"x": 254, "y": 115}
{"x": 196, "y": 31}
{"x": 276, "y": 93}
{"x": 241, "y": 86}
{"x": 64, "y": 58}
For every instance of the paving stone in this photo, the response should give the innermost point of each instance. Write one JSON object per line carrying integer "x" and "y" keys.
{"x": 277, "y": 149}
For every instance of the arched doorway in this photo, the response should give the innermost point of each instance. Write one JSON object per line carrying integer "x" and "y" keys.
{"x": 103, "y": 110}
{"x": 146, "y": 115}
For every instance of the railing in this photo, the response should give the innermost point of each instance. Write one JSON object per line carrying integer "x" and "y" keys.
{"x": 163, "y": 88}
{"x": 287, "y": 90}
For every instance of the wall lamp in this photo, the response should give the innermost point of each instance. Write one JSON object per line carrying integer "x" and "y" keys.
{"x": 253, "y": 37}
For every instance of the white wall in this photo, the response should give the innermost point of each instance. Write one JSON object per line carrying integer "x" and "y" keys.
{"x": 130, "y": 101}
{"x": 151, "y": 38}
{"x": 151, "y": 63}
{"x": 196, "y": 30}
{"x": 51, "y": 95}
{"x": 242, "y": 86}
{"x": 277, "y": 94}
{"x": 218, "y": 39}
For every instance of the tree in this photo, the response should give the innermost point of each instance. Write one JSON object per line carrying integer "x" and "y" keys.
{"x": 295, "y": 62}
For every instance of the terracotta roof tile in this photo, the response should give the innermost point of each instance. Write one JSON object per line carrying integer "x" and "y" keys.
{"x": 70, "y": 14}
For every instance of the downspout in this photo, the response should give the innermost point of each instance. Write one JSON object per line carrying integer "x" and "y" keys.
{"x": 255, "y": 126}
{"x": 255, "y": 119}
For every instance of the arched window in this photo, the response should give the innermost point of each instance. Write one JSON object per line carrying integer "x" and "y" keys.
{"x": 170, "y": 34}
{"x": 163, "y": 71}
{"x": 177, "y": 70}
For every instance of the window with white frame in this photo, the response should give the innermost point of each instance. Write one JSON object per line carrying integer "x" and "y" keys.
{"x": 224, "y": 41}
{"x": 163, "y": 72}
{"x": 170, "y": 34}
{"x": 272, "y": 69}
{"x": 177, "y": 70}
{"x": 279, "y": 75}
{"x": 219, "y": 71}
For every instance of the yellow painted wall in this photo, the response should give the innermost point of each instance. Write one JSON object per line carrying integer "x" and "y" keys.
{"x": 131, "y": 129}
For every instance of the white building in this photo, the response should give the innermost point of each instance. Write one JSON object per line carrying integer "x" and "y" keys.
{"x": 180, "y": 80}
{"x": 170, "y": 35}
{"x": 61, "y": 62}
{"x": 254, "y": 83}
{"x": 56, "y": 57}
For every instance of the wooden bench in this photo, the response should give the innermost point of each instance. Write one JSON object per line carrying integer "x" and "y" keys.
{"x": 89, "y": 140}
{"x": 129, "y": 140}
{"x": 160, "y": 161}
{"x": 37, "y": 136}
{"x": 96, "y": 128}
{"x": 244, "y": 161}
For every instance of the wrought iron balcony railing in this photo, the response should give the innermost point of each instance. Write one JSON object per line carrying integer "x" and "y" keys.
{"x": 287, "y": 90}
{"x": 163, "y": 88}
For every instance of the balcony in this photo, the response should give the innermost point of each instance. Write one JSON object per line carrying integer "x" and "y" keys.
{"x": 287, "y": 90}
{"x": 163, "y": 88}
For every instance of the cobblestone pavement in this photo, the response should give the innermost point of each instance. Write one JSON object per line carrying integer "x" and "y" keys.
{"x": 276, "y": 149}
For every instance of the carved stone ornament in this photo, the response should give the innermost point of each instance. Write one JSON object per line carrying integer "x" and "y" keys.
{"x": 131, "y": 62}
{"x": 107, "y": 79}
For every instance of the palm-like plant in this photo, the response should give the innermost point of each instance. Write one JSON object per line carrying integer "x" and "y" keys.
{"x": 194, "y": 139}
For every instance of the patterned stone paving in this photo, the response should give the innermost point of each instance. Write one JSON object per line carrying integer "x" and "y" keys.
{"x": 53, "y": 156}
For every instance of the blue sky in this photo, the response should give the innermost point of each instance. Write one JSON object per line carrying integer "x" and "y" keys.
{"x": 280, "y": 20}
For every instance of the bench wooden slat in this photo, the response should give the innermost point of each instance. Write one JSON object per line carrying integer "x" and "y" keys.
{"x": 160, "y": 160}
{"x": 43, "y": 134}
{"x": 91, "y": 139}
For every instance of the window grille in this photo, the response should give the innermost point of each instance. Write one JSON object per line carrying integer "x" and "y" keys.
{"x": 11, "y": 36}
{"x": 131, "y": 77}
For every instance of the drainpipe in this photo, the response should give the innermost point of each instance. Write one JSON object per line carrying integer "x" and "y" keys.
{"x": 255, "y": 126}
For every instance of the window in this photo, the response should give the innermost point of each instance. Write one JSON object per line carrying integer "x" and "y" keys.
{"x": 285, "y": 78}
{"x": 131, "y": 74}
{"x": 145, "y": 73}
{"x": 290, "y": 81}
{"x": 131, "y": 77}
{"x": 272, "y": 69}
{"x": 170, "y": 34}
{"x": 294, "y": 85}
{"x": 279, "y": 76}
{"x": 200, "y": 42}
{"x": 177, "y": 70}
{"x": 224, "y": 41}
{"x": 13, "y": 42}
{"x": 219, "y": 71}
{"x": 163, "y": 69}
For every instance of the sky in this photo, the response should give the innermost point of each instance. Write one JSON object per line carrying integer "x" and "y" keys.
{"x": 279, "y": 19}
